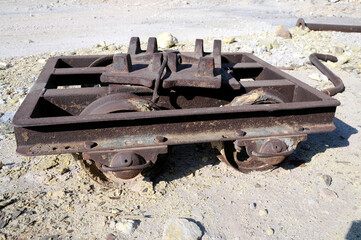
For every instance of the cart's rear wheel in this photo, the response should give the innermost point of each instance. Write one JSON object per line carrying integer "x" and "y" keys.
{"x": 109, "y": 180}
{"x": 115, "y": 103}
{"x": 242, "y": 159}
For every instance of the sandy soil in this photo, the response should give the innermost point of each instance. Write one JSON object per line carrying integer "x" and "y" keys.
{"x": 50, "y": 197}
{"x": 31, "y": 27}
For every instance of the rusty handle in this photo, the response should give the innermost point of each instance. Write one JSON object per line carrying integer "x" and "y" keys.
{"x": 328, "y": 27}
{"x": 337, "y": 82}
{"x": 157, "y": 80}
{"x": 118, "y": 169}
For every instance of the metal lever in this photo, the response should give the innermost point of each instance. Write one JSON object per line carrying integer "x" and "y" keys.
{"x": 157, "y": 80}
{"x": 337, "y": 82}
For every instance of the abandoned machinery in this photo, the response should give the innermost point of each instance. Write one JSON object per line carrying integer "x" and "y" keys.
{"x": 120, "y": 113}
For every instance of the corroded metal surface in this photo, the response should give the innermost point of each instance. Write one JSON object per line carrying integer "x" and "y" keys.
{"x": 122, "y": 111}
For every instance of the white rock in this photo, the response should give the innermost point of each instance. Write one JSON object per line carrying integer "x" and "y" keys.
{"x": 318, "y": 77}
{"x": 181, "y": 229}
{"x": 42, "y": 60}
{"x": 337, "y": 51}
{"x": 270, "y": 231}
{"x": 126, "y": 226}
{"x": 166, "y": 40}
{"x": 103, "y": 44}
{"x": 344, "y": 58}
{"x": 4, "y": 65}
{"x": 263, "y": 212}
{"x": 229, "y": 40}
{"x": 28, "y": 41}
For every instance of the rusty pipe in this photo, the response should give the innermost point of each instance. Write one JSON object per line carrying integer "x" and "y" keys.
{"x": 337, "y": 82}
{"x": 328, "y": 27}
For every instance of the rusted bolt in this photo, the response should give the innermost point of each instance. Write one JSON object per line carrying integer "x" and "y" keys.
{"x": 89, "y": 145}
{"x": 240, "y": 133}
{"x": 160, "y": 139}
{"x": 301, "y": 129}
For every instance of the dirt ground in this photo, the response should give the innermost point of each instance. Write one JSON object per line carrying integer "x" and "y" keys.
{"x": 313, "y": 194}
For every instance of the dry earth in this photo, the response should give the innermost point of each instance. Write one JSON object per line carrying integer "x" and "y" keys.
{"x": 50, "y": 197}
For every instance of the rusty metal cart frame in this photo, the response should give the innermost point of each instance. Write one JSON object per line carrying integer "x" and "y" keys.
{"x": 188, "y": 98}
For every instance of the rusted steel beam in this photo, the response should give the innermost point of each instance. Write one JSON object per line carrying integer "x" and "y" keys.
{"x": 328, "y": 27}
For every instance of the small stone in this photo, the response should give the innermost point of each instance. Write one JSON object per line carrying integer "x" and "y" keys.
{"x": 166, "y": 40}
{"x": 253, "y": 205}
{"x": 161, "y": 187}
{"x": 327, "y": 179}
{"x": 337, "y": 51}
{"x": 42, "y": 60}
{"x": 299, "y": 31}
{"x": 47, "y": 163}
{"x": 283, "y": 32}
{"x": 333, "y": 1}
{"x": 229, "y": 40}
{"x": 318, "y": 77}
{"x": 181, "y": 229}
{"x": 264, "y": 42}
{"x": 28, "y": 41}
{"x": 257, "y": 185}
{"x": 344, "y": 58}
{"x": 13, "y": 101}
{"x": 64, "y": 170}
{"x": 103, "y": 44}
{"x": 126, "y": 226}
{"x": 275, "y": 44}
{"x": 112, "y": 48}
{"x": 4, "y": 65}
{"x": 270, "y": 231}
{"x": 263, "y": 212}
{"x": 328, "y": 194}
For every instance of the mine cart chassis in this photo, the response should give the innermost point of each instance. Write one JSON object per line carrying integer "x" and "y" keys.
{"x": 120, "y": 113}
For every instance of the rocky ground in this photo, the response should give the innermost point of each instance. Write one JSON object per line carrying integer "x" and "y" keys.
{"x": 314, "y": 194}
